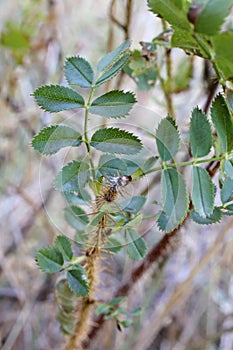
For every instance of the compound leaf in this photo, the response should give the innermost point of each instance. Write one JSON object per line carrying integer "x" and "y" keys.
{"x": 114, "y": 140}
{"x": 223, "y": 123}
{"x": 78, "y": 72}
{"x": 77, "y": 280}
{"x": 113, "y": 104}
{"x": 56, "y": 98}
{"x": 49, "y": 259}
{"x": 63, "y": 244}
{"x": 200, "y": 134}
{"x": 167, "y": 138}
{"x": 53, "y": 138}
{"x": 72, "y": 177}
{"x": 202, "y": 192}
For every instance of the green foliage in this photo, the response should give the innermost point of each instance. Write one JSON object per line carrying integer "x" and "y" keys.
{"x": 174, "y": 200}
{"x": 49, "y": 259}
{"x": 210, "y": 219}
{"x": 112, "y": 310}
{"x": 136, "y": 247}
{"x": 227, "y": 190}
{"x": 72, "y": 177}
{"x": 63, "y": 244}
{"x": 212, "y": 16}
{"x": 202, "y": 192}
{"x": 114, "y": 140}
{"x": 53, "y": 138}
{"x": 223, "y": 123}
{"x": 77, "y": 280}
{"x": 228, "y": 168}
{"x": 67, "y": 302}
{"x": 113, "y": 104}
{"x": 78, "y": 72}
{"x": 167, "y": 139}
{"x": 75, "y": 216}
{"x": 172, "y": 11}
{"x": 112, "y": 224}
{"x": 56, "y": 98}
{"x": 111, "y": 165}
{"x": 223, "y": 48}
{"x": 200, "y": 134}
{"x": 112, "y": 63}
{"x": 142, "y": 66}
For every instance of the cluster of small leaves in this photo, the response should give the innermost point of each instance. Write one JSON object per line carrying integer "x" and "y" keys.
{"x": 197, "y": 29}
{"x": 175, "y": 201}
{"x": 60, "y": 257}
{"x": 112, "y": 310}
{"x": 142, "y": 66}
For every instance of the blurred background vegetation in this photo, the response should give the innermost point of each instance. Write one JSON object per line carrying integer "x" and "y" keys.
{"x": 187, "y": 304}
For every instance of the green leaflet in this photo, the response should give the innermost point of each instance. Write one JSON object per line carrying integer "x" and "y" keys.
{"x": 77, "y": 280}
{"x": 110, "y": 58}
{"x": 77, "y": 199}
{"x": 202, "y": 193}
{"x": 113, "y": 104}
{"x": 167, "y": 139}
{"x": 56, "y": 98}
{"x": 111, "y": 165}
{"x": 112, "y": 63}
{"x": 63, "y": 244}
{"x": 228, "y": 168}
{"x": 114, "y": 140}
{"x": 112, "y": 70}
{"x": 49, "y": 259}
{"x": 174, "y": 200}
{"x": 200, "y": 134}
{"x": 227, "y": 190}
{"x": 53, "y": 138}
{"x": 72, "y": 177}
{"x": 113, "y": 245}
{"x": 212, "y": 16}
{"x": 223, "y": 48}
{"x": 211, "y": 219}
{"x": 78, "y": 72}
{"x": 184, "y": 40}
{"x": 136, "y": 247}
{"x": 175, "y": 12}
{"x": 133, "y": 205}
{"x": 223, "y": 123}
{"x": 76, "y": 218}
